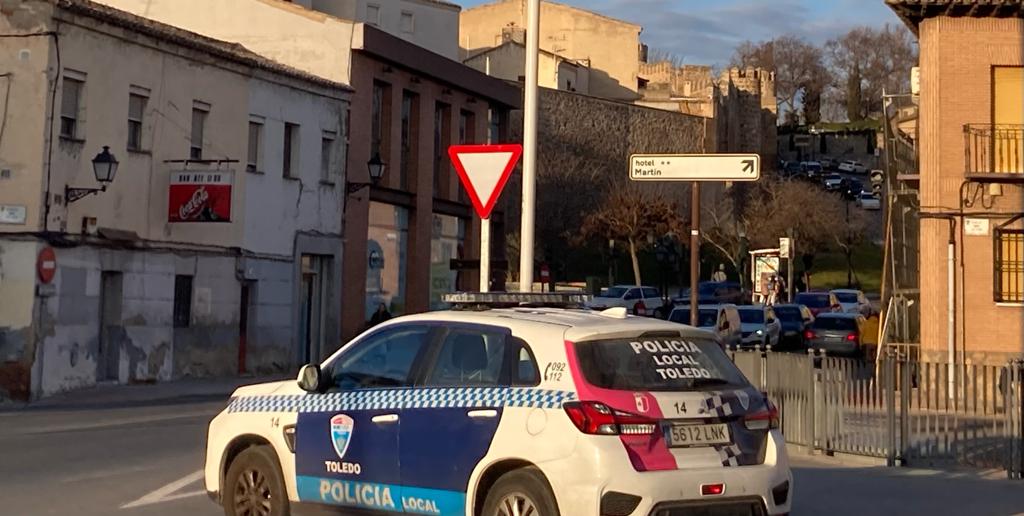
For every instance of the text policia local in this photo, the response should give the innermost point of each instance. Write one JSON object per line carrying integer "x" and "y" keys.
{"x": 668, "y": 354}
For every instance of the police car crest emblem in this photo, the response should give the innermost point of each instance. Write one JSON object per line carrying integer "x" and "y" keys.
{"x": 341, "y": 433}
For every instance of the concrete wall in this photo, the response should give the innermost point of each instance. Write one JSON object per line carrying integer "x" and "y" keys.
{"x": 957, "y": 55}
{"x": 291, "y": 34}
{"x": 611, "y": 46}
{"x": 277, "y": 208}
{"x": 27, "y": 85}
{"x": 17, "y": 331}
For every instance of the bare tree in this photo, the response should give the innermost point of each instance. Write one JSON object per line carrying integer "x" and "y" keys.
{"x": 850, "y": 235}
{"x": 799, "y": 71}
{"x": 631, "y": 213}
{"x": 865, "y": 61}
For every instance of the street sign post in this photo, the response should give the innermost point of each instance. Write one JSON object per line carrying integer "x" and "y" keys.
{"x": 695, "y": 168}
{"x": 484, "y": 170}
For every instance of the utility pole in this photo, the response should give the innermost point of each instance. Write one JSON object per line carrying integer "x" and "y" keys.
{"x": 530, "y": 103}
{"x": 694, "y": 251}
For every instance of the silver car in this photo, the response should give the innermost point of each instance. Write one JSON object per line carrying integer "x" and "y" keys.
{"x": 759, "y": 326}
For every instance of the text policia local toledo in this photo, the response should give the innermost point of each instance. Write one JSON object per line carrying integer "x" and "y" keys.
{"x": 671, "y": 358}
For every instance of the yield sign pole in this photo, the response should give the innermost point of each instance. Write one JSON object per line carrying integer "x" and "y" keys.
{"x": 484, "y": 170}
{"x": 526, "y": 230}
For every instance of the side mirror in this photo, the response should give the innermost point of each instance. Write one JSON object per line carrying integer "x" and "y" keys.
{"x": 311, "y": 378}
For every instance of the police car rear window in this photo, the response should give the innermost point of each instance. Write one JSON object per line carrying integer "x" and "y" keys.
{"x": 657, "y": 364}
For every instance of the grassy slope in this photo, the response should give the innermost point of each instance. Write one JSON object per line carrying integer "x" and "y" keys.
{"x": 830, "y": 269}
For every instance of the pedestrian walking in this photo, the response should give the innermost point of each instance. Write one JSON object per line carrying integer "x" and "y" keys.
{"x": 719, "y": 275}
{"x": 382, "y": 314}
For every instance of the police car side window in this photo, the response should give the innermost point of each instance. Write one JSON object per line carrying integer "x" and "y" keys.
{"x": 382, "y": 360}
{"x": 524, "y": 367}
{"x": 469, "y": 357}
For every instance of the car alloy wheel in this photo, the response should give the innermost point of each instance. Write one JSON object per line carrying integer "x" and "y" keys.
{"x": 517, "y": 504}
{"x": 252, "y": 494}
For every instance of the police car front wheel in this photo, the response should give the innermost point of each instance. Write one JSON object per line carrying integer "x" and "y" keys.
{"x": 254, "y": 485}
{"x": 522, "y": 492}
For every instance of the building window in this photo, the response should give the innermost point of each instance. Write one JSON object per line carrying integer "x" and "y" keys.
{"x": 373, "y": 14}
{"x": 327, "y": 161}
{"x": 442, "y": 140}
{"x": 410, "y": 137}
{"x": 380, "y": 120}
{"x": 291, "y": 151}
{"x": 467, "y": 127}
{"x": 1009, "y": 266}
{"x": 408, "y": 23}
{"x": 136, "y": 111}
{"x": 200, "y": 111}
{"x": 70, "y": 105}
{"x": 182, "y": 301}
{"x": 254, "y": 158}
{"x": 494, "y": 116}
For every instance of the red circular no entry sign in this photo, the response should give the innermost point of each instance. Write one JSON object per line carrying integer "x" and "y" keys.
{"x": 46, "y": 264}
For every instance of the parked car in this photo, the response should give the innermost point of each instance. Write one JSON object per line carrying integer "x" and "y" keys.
{"x": 759, "y": 326}
{"x": 818, "y": 302}
{"x": 714, "y": 293}
{"x": 852, "y": 167}
{"x": 833, "y": 182}
{"x": 791, "y": 169}
{"x": 868, "y": 201}
{"x": 638, "y": 300}
{"x": 837, "y": 334}
{"x": 812, "y": 169}
{"x": 722, "y": 320}
{"x": 851, "y": 189}
{"x": 827, "y": 163}
{"x": 853, "y": 301}
{"x": 795, "y": 320}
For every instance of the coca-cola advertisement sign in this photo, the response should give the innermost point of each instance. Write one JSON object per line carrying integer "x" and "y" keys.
{"x": 200, "y": 196}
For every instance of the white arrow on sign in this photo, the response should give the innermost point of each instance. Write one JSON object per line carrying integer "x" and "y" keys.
{"x": 695, "y": 167}
{"x": 484, "y": 170}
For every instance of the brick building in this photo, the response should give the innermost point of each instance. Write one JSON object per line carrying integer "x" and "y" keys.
{"x": 971, "y": 177}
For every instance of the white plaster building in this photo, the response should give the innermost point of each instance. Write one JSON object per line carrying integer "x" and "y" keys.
{"x": 216, "y": 248}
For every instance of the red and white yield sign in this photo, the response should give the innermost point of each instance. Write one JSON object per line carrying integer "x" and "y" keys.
{"x": 484, "y": 170}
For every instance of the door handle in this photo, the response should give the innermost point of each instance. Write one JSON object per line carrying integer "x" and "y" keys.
{"x": 481, "y": 414}
{"x": 384, "y": 419}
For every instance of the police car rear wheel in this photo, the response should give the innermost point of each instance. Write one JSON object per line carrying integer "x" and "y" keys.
{"x": 522, "y": 492}
{"x": 254, "y": 485}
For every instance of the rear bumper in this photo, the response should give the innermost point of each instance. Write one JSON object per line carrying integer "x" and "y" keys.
{"x": 601, "y": 466}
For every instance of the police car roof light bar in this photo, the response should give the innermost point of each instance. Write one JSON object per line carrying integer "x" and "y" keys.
{"x": 484, "y": 300}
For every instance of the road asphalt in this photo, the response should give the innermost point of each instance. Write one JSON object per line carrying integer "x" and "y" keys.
{"x": 100, "y": 459}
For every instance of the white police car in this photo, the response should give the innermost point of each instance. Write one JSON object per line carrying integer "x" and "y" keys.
{"x": 517, "y": 410}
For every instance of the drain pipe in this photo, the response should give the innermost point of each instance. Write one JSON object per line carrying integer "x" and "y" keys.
{"x": 950, "y": 299}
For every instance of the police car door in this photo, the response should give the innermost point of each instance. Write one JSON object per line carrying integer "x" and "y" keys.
{"x": 346, "y": 451}
{"x": 443, "y": 437}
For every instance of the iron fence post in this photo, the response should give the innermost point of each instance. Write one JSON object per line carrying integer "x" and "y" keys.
{"x": 904, "y": 414}
{"x": 811, "y": 401}
{"x": 890, "y": 402}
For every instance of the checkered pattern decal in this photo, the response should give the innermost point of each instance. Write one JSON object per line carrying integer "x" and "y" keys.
{"x": 403, "y": 399}
{"x": 718, "y": 406}
{"x": 729, "y": 454}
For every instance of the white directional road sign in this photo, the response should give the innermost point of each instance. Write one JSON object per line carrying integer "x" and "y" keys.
{"x": 695, "y": 167}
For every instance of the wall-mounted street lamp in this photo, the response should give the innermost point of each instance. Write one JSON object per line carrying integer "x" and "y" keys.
{"x": 104, "y": 167}
{"x": 376, "y": 167}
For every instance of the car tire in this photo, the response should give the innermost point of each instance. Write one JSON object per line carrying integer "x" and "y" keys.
{"x": 521, "y": 488}
{"x": 254, "y": 485}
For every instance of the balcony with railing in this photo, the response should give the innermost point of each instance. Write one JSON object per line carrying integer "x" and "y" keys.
{"x": 994, "y": 152}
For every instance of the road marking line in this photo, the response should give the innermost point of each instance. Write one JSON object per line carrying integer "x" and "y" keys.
{"x": 164, "y": 494}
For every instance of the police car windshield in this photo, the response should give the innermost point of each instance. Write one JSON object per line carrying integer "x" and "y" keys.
{"x": 657, "y": 364}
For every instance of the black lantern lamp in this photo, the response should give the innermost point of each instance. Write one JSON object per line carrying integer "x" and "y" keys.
{"x": 376, "y": 167}
{"x": 104, "y": 167}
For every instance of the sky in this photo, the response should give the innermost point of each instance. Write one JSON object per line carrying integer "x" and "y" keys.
{"x": 707, "y": 31}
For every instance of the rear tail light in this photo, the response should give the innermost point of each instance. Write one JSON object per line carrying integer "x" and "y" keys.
{"x": 712, "y": 489}
{"x": 809, "y": 335}
{"x": 767, "y": 419}
{"x": 852, "y": 337}
{"x": 596, "y": 418}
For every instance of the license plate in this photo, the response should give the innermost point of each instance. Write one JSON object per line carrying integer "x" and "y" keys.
{"x": 698, "y": 435}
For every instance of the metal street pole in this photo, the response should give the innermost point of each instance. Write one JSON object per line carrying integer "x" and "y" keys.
{"x": 694, "y": 252}
{"x": 485, "y": 224}
{"x": 526, "y": 230}
{"x": 789, "y": 273}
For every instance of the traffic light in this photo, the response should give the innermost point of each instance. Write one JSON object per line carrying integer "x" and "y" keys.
{"x": 877, "y": 180}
